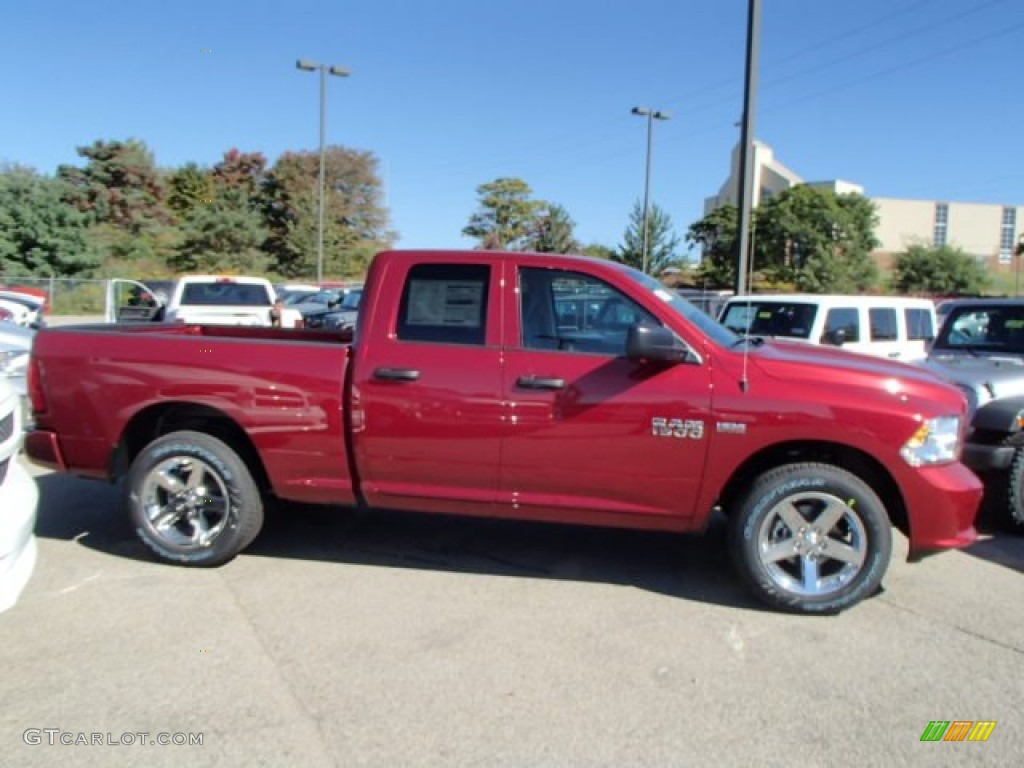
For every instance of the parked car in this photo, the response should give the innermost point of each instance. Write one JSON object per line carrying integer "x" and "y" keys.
{"x": 980, "y": 348}
{"x": 885, "y": 326}
{"x": 18, "y": 499}
{"x": 24, "y": 309}
{"x": 200, "y": 300}
{"x": 340, "y": 316}
{"x": 462, "y": 393}
{"x": 15, "y": 346}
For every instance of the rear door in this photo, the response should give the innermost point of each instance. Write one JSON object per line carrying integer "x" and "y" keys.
{"x": 426, "y": 406}
{"x": 593, "y": 436}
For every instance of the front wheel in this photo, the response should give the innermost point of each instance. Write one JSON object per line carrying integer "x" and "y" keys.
{"x": 1014, "y": 511}
{"x": 811, "y": 538}
{"x": 192, "y": 500}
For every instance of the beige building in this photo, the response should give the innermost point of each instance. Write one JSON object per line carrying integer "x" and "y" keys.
{"x": 990, "y": 232}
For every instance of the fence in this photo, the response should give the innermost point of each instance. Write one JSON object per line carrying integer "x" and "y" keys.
{"x": 67, "y": 295}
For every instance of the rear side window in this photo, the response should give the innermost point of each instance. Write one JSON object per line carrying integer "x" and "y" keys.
{"x": 445, "y": 303}
{"x": 883, "y": 324}
{"x": 919, "y": 324}
{"x": 843, "y": 319}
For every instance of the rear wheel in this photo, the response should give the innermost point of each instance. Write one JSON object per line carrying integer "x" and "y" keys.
{"x": 192, "y": 500}
{"x": 811, "y": 538}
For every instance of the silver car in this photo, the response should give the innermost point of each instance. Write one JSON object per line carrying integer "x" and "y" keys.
{"x": 15, "y": 346}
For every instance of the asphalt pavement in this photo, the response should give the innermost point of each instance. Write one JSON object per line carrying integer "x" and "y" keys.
{"x": 403, "y": 640}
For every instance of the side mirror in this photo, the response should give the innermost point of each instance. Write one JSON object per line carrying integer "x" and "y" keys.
{"x": 836, "y": 337}
{"x": 654, "y": 343}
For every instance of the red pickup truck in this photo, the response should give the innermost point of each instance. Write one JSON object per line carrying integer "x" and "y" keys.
{"x": 526, "y": 386}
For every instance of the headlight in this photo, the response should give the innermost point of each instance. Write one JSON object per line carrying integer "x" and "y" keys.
{"x": 936, "y": 442}
{"x": 13, "y": 362}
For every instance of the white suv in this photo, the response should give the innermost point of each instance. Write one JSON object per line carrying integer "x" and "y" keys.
{"x": 885, "y": 326}
{"x": 18, "y": 499}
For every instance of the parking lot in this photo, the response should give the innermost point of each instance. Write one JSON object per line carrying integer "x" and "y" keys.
{"x": 341, "y": 640}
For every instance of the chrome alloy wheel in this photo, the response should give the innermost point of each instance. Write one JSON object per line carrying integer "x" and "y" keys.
{"x": 185, "y": 502}
{"x": 812, "y": 544}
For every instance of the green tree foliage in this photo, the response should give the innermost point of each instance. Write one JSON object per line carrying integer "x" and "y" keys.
{"x": 716, "y": 235}
{"x": 355, "y": 221}
{"x": 662, "y": 241}
{"x": 553, "y": 231}
{"x": 505, "y": 215}
{"x": 599, "y": 251}
{"x": 226, "y": 235}
{"x": 944, "y": 270}
{"x": 189, "y": 187}
{"x": 118, "y": 185}
{"x": 39, "y": 233}
{"x": 817, "y": 241}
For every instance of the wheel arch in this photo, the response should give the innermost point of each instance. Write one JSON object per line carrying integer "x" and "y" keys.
{"x": 861, "y": 464}
{"x": 163, "y": 418}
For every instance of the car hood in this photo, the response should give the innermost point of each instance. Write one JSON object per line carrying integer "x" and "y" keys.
{"x": 835, "y": 369}
{"x": 998, "y": 376}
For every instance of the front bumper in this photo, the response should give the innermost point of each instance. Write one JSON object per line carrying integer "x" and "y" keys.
{"x": 942, "y": 504}
{"x": 982, "y": 457}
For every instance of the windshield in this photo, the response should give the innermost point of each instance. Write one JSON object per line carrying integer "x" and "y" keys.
{"x": 708, "y": 325}
{"x": 995, "y": 328}
{"x": 352, "y": 298}
{"x": 770, "y": 318}
{"x": 225, "y": 294}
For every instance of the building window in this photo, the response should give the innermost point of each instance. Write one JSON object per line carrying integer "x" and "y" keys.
{"x": 941, "y": 222}
{"x": 1006, "y": 235}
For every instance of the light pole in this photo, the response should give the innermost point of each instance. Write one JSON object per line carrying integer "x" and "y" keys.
{"x": 651, "y": 115}
{"x": 311, "y": 66}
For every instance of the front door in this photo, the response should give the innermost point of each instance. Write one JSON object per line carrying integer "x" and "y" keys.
{"x": 594, "y": 436}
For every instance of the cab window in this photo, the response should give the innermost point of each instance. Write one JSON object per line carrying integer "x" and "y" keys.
{"x": 445, "y": 303}
{"x": 883, "y": 324}
{"x": 843, "y": 319}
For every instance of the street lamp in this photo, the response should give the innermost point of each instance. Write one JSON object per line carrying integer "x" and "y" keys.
{"x": 651, "y": 115}
{"x": 310, "y": 66}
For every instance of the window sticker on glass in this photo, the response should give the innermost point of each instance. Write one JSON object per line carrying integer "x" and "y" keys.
{"x": 764, "y": 314}
{"x": 445, "y": 302}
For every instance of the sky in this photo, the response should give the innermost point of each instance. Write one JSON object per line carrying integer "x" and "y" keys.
{"x": 908, "y": 98}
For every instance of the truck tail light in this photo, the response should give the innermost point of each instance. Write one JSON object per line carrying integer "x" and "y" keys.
{"x": 35, "y": 386}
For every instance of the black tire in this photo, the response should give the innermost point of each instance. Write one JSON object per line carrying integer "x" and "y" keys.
{"x": 1013, "y": 510}
{"x": 192, "y": 500}
{"x": 833, "y": 565}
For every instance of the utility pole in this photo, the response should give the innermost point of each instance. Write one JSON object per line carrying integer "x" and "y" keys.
{"x": 747, "y": 134}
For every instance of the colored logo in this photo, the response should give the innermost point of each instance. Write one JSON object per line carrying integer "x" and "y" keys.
{"x": 958, "y": 730}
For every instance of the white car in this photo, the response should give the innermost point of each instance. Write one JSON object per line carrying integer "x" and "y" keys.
{"x": 202, "y": 300}
{"x": 15, "y": 346}
{"x": 18, "y": 499}
{"x": 25, "y": 309}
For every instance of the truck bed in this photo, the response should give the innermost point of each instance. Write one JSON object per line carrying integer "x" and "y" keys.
{"x": 279, "y": 392}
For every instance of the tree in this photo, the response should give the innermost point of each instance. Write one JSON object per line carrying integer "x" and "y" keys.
{"x": 661, "y": 240}
{"x": 355, "y": 221}
{"x": 188, "y": 187}
{"x": 505, "y": 215}
{"x": 716, "y": 234}
{"x": 118, "y": 185}
{"x": 817, "y": 241}
{"x": 943, "y": 270}
{"x": 223, "y": 236}
{"x": 40, "y": 234}
{"x": 552, "y": 231}
{"x": 241, "y": 170}
{"x": 599, "y": 251}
